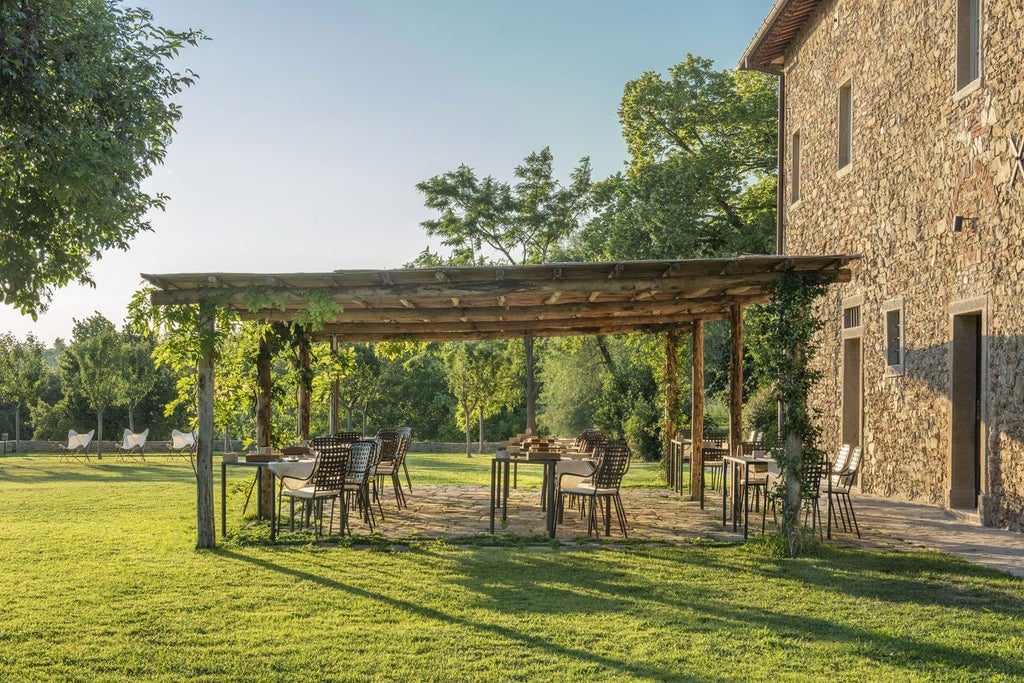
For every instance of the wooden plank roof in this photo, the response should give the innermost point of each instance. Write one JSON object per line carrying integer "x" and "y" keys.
{"x": 491, "y": 302}
{"x": 767, "y": 50}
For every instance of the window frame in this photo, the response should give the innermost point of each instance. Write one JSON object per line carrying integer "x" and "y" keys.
{"x": 968, "y": 45}
{"x": 894, "y": 309}
{"x": 794, "y": 167}
{"x": 844, "y": 124}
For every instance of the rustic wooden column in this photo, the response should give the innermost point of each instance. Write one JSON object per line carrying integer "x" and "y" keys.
{"x": 531, "y": 387}
{"x": 697, "y": 418}
{"x": 335, "y": 411}
{"x": 264, "y": 385}
{"x": 305, "y": 392}
{"x": 206, "y": 526}
{"x": 735, "y": 379}
{"x": 671, "y": 390}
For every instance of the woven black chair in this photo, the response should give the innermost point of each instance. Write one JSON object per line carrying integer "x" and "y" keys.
{"x": 613, "y": 462}
{"x": 347, "y": 437}
{"x": 326, "y": 483}
{"x": 810, "y": 490}
{"x": 357, "y": 489}
{"x": 389, "y": 442}
{"x": 393, "y": 468}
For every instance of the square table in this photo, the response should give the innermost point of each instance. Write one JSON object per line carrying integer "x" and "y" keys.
{"x": 500, "y": 487}
{"x": 731, "y": 465}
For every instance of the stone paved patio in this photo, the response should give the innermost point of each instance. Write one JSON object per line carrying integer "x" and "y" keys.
{"x": 661, "y": 515}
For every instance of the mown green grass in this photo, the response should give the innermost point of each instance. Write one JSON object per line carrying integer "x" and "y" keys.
{"x": 101, "y": 582}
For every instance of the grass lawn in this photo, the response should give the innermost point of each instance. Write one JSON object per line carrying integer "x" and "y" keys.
{"x": 101, "y": 582}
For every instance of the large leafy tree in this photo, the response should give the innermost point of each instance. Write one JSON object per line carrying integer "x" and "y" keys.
{"x": 86, "y": 115}
{"x": 701, "y": 177}
{"x": 487, "y": 221}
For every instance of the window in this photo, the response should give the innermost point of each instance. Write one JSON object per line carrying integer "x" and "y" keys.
{"x": 845, "y": 124}
{"x": 968, "y": 42}
{"x": 894, "y": 336}
{"x": 851, "y": 317}
{"x": 794, "y": 171}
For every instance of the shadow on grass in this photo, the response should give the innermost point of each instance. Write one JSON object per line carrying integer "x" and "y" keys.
{"x": 42, "y": 470}
{"x": 922, "y": 579}
{"x": 836, "y": 598}
{"x": 428, "y": 613}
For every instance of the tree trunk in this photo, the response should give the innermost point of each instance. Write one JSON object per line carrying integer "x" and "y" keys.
{"x": 17, "y": 427}
{"x": 469, "y": 430}
{"x": 131, "y": 417}
{"x": 480, "y": 424}
{"x": 206, "y": 525}
{"x": 99, "y": 434}
{"x": 792, "y": 501}
{"x": 736, "y": 379}
{"x": 606, "y": 356}
{"x": 305, "y": 386}
{"x": 671, "y": 389}
{"x": 531, "y": 388}
{"x": 697, "y": 420}
{"x": 264, "y": 381}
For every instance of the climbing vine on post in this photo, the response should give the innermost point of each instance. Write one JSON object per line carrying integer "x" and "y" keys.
{"x": 785, "y": 331}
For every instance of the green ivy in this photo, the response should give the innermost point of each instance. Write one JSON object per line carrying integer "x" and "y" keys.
{"x": 785, "y": 332}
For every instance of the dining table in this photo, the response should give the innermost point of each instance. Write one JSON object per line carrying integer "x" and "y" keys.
{"x": 732, "y": 464}
{"x": 501, "y": 464}
{"x": 285, "y": 468}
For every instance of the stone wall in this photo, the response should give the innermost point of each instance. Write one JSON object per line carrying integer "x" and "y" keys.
{"x": 922, "y": 154}
{"x": 160, "y": 447}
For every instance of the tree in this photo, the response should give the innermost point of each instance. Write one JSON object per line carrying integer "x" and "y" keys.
{"x": 23, "y": 375}
{"x": 86, "y": 115}
{"x": 89, "y": 367}
{"x": 702, "y": 171}
{"x": 137, "y": 371}
{"x": 488, "y": 221}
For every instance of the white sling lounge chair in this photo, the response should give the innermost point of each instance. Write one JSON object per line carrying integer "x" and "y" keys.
{"x": 132, "y": 446}
{"x": 77, "y": 443}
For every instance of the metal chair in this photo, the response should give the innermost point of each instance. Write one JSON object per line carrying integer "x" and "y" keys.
{"x": 613, "y": 462}
{"x": 132, "y": 446}
{"x": 76, "y": 445}
{"x": 393, "y": 467}
{"x": 839, "y": 489}
{"x": 326, "y": 483}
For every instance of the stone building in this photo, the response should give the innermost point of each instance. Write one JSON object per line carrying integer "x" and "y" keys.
{"x": 901, "y": 138}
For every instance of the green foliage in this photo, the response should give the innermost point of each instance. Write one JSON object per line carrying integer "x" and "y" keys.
{"x": 782, "y": 344}
{"x": 487, "y": 221}
{"x": 23, "y": 375}
{"x": 702, "y": 169}
{"x": 86, "y": 115}
{"x": 572, "y": 372}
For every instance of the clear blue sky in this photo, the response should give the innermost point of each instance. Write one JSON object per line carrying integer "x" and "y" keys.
{"x": 312, "y": 122}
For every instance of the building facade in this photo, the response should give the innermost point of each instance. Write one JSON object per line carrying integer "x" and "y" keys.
{"x": 901, "y": 139}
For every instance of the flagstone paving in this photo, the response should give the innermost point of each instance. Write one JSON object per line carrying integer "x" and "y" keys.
{"x": 661, "y": 515}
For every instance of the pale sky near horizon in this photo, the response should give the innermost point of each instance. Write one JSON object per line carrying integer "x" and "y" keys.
{"x": 313, "y": 120}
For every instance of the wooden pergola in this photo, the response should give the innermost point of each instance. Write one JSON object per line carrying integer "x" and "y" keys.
{"x": 495, "y": 302}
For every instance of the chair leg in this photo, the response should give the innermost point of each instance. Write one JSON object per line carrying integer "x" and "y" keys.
{"x": 407, "y": 479}
{"x": 621, "y": 512}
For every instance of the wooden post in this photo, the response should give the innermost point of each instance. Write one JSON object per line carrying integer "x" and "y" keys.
{"x": 736, "y": 379}
{"x": 671, "y": 390}
{"x": 305, "y": 384}
{"x": 206, "y": 526}
{"x": 264, "y": 385}
{"x": 531, "y": 388}
{"x": 335, "y": 394}
{"x": 697, "y": 421}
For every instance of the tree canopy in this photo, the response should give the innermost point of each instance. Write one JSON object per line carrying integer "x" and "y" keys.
{"x": 701, "y": 177}
{"x": 87, "y": 114}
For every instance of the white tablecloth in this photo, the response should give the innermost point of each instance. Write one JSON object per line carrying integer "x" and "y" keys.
{"x": 294, "y": 475}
